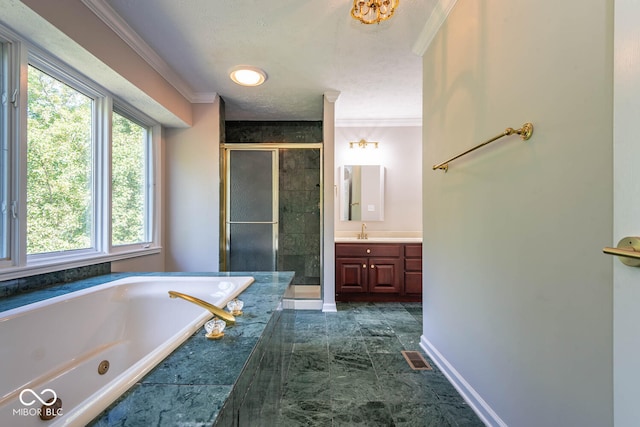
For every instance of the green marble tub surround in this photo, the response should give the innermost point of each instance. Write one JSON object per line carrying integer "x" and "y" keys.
{"x": 203, "y": 381}
{"x": 208, "y": 382}
{"x": 53, "y": 279}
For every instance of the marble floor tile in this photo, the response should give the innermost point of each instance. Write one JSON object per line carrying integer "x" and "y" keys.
{"x": 308, "y": 413}
{"x": 383, "y": 345}
{"x": 345, "y": 362}
{"x": 369, "y": 414}
{"x": 307, "y": 386}
{"x": 347, "y": 369}
{"x": 305, "y": 361}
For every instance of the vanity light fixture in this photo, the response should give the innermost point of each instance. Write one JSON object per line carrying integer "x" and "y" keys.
{"x": 363, "y": 144}
{"x": 373, "y": 11}
{"x": 246, "y": 75}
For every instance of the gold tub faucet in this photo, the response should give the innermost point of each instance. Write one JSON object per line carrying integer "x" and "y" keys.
{"x": 216, "y": 311}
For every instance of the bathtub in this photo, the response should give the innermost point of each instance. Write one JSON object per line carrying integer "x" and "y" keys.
{"x": 56, "y": 347}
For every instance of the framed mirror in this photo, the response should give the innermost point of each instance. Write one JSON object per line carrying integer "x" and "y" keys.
{"x": 361, "y": 193}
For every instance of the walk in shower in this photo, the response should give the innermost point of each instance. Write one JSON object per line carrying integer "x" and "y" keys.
{"x": 272, "y": 211}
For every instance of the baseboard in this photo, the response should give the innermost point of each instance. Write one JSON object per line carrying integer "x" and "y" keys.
{"x": 331, "y": 308}
{"x": 475, "y": 401}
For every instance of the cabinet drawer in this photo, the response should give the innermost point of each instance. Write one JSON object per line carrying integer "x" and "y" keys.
{"x": 413, "y": 264}
{"x": 367, "y": 250}
{"x": 413, "y": 251}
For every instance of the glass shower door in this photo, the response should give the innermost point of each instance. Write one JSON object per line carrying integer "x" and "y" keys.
{"x": 252, "y": 210}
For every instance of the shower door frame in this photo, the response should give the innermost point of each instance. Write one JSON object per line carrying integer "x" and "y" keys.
{"x": 225, "y": 234}
{"x": 225, "y": 150}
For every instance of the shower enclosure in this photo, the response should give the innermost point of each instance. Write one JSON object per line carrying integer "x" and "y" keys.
{"x": 272, "y": 211}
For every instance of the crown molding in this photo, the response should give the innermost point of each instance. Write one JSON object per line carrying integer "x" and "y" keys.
{"x": 204, "y": 98}
{"x": 114, "y": 21}
{"x": 332, "y": 95}
{"x": 433, "y": 24}
{"x": 378, "y": 123}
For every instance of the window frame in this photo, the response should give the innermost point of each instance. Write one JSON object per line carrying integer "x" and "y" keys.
{"x": 151, "y": 143}
{"x": 56, "y": 71}
{"x": 19, "y": 264}
{"x": 5, "y": 162}
{"x": 15, "y": 51}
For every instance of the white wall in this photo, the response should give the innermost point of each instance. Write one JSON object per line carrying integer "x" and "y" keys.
{"x": 328, "y": 219}
{"x": 400, "y": 152}
{"x": 517, "y": 293}
{"x": 193, "y": 192}
{"x": 626, "y": 211}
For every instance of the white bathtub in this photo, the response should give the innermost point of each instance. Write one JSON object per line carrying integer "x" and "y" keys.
{"x": 55, "y": 346}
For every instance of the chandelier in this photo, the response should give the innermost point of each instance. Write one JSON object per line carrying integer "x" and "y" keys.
{"x": 373, "y": 11}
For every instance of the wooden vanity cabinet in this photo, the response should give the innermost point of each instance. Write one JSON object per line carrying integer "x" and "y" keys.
{"x": 376, "y": 272}
{"x": 413, "y": 269}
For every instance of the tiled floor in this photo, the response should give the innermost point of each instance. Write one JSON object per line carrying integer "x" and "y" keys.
{"x": 347, "y": 369}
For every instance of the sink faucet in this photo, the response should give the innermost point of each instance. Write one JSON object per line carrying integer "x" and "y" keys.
{"x": 362, "y": 234}
{"x": 216, "y": 311}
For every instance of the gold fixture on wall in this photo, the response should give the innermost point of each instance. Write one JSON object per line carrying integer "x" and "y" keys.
{"x": 525, "y": 133}
{"x": 363, "y": 144}
{"x": 373, "y": 11}
{"x": 628, "y": 250}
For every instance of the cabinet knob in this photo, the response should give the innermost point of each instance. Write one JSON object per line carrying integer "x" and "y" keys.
{"x": 373, "y": 266}
{"x": 364, "y": 265}
{"x": 368, "y": 251}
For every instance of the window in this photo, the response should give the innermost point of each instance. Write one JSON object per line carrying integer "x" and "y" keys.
{"x": 59, "y": 166}
{"x": 76, "y": 168}
{"x": 5, "y": 202}
{"x": 129, "y": 171}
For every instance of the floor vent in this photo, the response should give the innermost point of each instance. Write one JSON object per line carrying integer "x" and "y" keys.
{"x": 416, "y": 361}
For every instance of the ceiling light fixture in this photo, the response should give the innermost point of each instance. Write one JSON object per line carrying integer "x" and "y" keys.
{"x": 373, "y": 11}
{"x": 246, "y": 75}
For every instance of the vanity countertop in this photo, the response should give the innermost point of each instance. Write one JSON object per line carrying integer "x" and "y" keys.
{"x": 381, "y": 239}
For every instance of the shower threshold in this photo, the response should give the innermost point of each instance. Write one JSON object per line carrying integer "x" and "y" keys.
{"x": 303, "y": 297}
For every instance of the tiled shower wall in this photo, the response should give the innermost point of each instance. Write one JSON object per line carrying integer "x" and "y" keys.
{"x": 300, "y": 189}
{"x": 299, "y": 225}
{"x": 272, "y": 131}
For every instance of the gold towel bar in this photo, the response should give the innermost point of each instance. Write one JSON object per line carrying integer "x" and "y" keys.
{"x": 628, "y": 250}
{"x": 525, "y": 133}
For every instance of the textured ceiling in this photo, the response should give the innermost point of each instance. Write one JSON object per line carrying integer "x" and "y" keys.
{"x": 306, "y": 47}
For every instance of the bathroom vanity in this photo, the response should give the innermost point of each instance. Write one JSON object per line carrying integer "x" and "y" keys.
{"x": 379, "y": 270}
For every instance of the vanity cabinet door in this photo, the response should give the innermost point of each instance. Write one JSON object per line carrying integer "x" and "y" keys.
{"x": 385, "y": 275}
{"x": 351, "y": 275}
{"x": 413, "y": 269}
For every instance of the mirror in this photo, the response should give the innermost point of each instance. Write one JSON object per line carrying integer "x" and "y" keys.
{"x": 362, "y": 193}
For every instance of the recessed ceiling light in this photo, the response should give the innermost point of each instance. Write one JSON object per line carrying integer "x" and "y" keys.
{"x": 246, "y": 75}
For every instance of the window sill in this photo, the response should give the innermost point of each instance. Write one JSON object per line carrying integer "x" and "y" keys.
{"x": 62, "y": 263}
